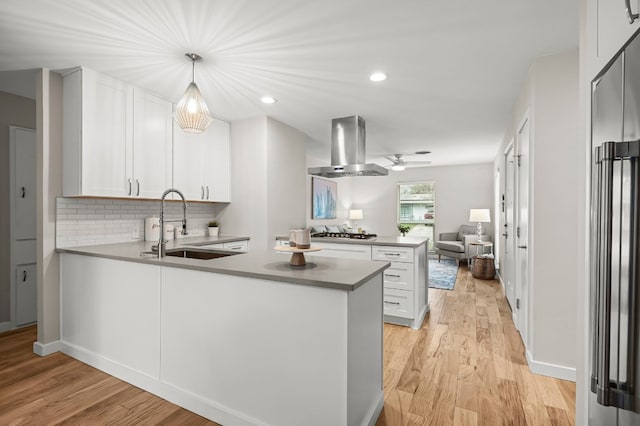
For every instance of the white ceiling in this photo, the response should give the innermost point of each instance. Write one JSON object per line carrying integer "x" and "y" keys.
{"x": 455, "y": 67}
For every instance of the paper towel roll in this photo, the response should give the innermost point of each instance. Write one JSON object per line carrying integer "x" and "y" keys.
{"x": 152, "y": 229}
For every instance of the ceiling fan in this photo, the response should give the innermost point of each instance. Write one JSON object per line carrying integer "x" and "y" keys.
{"x": 399, "y": 164}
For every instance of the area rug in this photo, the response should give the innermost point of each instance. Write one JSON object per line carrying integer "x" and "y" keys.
{"x": 443, "y": 274}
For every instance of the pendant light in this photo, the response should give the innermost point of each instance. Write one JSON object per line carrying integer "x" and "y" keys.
{"x": 192, "y": 114}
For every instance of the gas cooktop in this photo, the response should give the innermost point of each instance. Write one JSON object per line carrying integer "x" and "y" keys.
{"x": 348, "y": 235}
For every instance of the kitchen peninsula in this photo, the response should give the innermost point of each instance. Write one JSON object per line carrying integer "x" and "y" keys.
{"x": 243, "y": 340}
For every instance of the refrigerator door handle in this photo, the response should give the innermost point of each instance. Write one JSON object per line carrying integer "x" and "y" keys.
{"x": 619, "y": 390}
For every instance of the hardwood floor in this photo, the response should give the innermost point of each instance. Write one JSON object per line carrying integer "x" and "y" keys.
{"x": 465, "y": 366}
{"x": 60, "y": 390}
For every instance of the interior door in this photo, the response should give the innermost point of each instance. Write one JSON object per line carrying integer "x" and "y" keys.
{"x": 522, "y": 230}
{"x": 509, "y": 229}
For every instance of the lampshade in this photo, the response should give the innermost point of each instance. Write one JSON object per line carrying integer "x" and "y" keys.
{"x": 192, "y": 114}
{"x": 479, "y": 215}
{"x": 355, "y": 214}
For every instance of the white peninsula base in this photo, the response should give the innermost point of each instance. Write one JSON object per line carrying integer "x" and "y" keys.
{"x": 234, "y": 349}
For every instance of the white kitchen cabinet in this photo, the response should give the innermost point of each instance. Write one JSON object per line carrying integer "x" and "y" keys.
{"x": 405, "y": 284}
{"x": 237, "y": 245}
{"x": 201, "y": 163}
{"x": 242, "y": 245}
{"x": 611, "y": 29}
{"x": 98, "y": 135}
{"x": 117, "y": 138}
{"x": 343, "y": 251}
{"x": 152, "y": 141}
{"x": 26, "y": 294}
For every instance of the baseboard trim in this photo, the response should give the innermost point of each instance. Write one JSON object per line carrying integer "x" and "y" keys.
{"x": 6, "y": 326}
{"x": 44, "y": 349}
{"x": 181, "y": 397}
{"x": 551, "y": 370}
{"x": 375, "y": 410}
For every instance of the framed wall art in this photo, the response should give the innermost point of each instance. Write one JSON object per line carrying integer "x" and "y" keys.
{"x": 324, "y": 199}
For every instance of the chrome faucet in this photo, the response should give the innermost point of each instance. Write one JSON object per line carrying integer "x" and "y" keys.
{"x": 162, "y": 243}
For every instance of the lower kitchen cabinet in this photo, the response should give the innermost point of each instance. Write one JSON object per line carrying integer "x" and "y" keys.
{"x": 344, "y": 251}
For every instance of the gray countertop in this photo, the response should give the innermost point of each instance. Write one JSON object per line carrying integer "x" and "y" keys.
{"x": 339, "y": 274}
{"x": 376, "y": 241}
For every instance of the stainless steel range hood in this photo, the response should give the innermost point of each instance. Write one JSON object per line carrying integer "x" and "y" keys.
{"x": 348, "y": 156}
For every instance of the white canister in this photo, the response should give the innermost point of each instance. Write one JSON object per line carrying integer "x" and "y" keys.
{"x": 152, "y": 229}
{"x": 177, "y": 232}
{"x": 168, "y": 232}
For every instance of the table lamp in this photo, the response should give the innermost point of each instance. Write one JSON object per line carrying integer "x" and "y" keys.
{"x": 480, "y": 216}
{"x": 356, "y": 215}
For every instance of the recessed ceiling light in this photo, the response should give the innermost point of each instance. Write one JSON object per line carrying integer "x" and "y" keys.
{"x": 378, "y": 76}
{"x": 268, "y": 100}
{"x": 398, "y": 167}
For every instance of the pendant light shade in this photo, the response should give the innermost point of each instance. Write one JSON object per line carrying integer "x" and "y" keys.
{"x": 192, "y": 114}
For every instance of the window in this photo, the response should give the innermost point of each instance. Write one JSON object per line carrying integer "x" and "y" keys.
{"x": 417, "y": 208}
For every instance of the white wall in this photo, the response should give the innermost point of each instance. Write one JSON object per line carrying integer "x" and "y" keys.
{"x": 458, "y": 189}
{"x": 556, "y": 207}
{"x": 549, "y": 98}
{"x": 49, "y": 184}
{"x": 246, "y": 213}
{"x": 286, "y": 173}
{"x": 267, "y": 185}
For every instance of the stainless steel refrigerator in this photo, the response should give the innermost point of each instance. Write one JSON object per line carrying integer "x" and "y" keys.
{"x": 615, "y": 242}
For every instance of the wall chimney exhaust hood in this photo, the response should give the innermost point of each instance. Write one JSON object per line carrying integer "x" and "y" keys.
{"x": 348, "y": 156}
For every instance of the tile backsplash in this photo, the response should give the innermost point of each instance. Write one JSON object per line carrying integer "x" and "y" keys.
{"x": 89, "y": 221}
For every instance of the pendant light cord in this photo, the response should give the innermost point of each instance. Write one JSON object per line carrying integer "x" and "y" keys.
{"x": 193, "y": 70}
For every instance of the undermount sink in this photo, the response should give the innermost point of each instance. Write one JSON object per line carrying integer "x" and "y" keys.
{"x": 199, "y": 254}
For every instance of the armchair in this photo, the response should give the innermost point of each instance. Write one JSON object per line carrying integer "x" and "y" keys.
{"x": 456, "y": 244}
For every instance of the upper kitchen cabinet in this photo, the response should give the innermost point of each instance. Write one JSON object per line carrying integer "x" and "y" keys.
{"x": 98, "y": 135}
{"x": 152, "y": 139}
{"x": 201, "y": 163}
{"x": 117, "y": 138}
{"x": 611, "y": 28}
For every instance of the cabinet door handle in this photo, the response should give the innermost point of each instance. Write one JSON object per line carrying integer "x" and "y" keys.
{"x": 24, "y": 275}
{"x": 522, "y": 247}
{"x": 392, "y": 303}
{"x": 138, "y": 187}
{"x": 392, "y": 254}
{"x": 207, "y": 192}
{"x": 129, "y": 186}
{"x": 392, "y": 275}
{"x": 202, "y": 192}
{"x": 24, "y": 192}
{"x": 630, "y": 15}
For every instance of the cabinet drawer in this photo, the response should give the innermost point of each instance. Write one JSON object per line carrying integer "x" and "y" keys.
{"x": 392, "y": 254}
{"x": 399, "y": 276}
{"x": 237, "y": 245}
{"x": 398, "y": 303}
{"x": 344, "y": 251}
{"x": 213, "y": 246}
